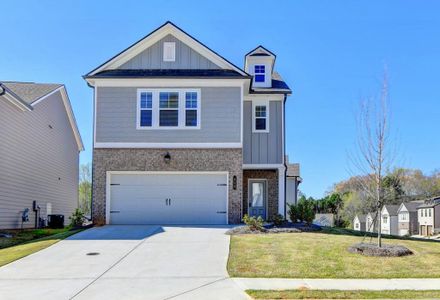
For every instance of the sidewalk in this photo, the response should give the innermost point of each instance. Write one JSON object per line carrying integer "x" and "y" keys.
{"x": 338, "y": 284}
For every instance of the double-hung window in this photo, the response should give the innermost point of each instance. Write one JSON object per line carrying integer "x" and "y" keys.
{"x": 146, "y": 109}
{"x": 191, "y": 109}
{"x": 260, "y": 113}
{"x": 259, "y": 73}
{"x": 168, "y": 109}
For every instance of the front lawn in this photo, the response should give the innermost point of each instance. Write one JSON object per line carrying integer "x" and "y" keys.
{"x": 320, "y": 255}
{"x": 334, "y": 294}
{"x": 30, "y": 241}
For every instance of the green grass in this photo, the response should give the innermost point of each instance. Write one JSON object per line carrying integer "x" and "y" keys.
{"x": 28, "y": 245}
{"x": 324, "y": 255}
{"x": 334, "y": 294}
{"x": 26, "y": 235}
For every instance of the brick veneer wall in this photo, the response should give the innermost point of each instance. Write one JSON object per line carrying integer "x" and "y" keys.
{"x": 104, "y": 160}
{"x": 272, "y": 189}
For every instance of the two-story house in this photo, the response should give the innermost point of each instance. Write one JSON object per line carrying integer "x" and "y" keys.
{"x": 407, "y": 217}
{"x": 389, "y": 219}
{"x": 429, "y": 217}
{"x": 183, "y": 136}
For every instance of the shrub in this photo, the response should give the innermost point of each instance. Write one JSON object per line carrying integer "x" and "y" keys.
{"x": 254, "y": 223}
{"x": 77, "y": 218}
{"x": 293, "y": 212}
{"x": 303, "y": 211}
{"x": 277, "y": 220}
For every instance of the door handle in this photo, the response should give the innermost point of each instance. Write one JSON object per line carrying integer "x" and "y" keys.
{"x": 166, "y": 201}
{"x": 169, "y": 201}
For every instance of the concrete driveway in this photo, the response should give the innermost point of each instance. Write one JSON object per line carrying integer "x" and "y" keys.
{"x": 126, "y": 262}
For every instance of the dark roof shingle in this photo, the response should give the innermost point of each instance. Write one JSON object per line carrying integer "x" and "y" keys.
{"x": 28, "y": 92}
{"x": 151, "y": 73}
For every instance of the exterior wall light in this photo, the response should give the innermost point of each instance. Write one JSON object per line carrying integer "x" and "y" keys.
{"x": 167, "y": 158}
{"x": 234, "y": 182}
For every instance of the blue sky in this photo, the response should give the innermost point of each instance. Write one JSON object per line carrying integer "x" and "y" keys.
{"x": 330, "y": 52}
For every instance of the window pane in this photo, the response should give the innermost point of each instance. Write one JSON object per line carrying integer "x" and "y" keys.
{"x": 260, "y": 124}
{"x": 259, "y": 69}
{"x": 191, "y": 100}
{"x": 257, "y": 194}
{"x": 191, "y": 118}
{"x": 145, "y": 117}
{"x": 146, "y": 100}
{"x": 259, "y": 78}
{"x": 168, "y": 118}
{"x": 169, "y": 100}
{"x": 260, "y": 111}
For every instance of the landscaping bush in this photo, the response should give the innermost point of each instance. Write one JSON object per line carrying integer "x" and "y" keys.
{"x": 77, "y": 218}
{"x": 302, "y": 212}
{"x": 254, "y": 223}
{"x": 278, "y": 220}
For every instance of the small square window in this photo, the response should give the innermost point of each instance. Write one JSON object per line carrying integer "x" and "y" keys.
{"x": 259, "y": 72}
{"x": 260, "y": 124}
{"x": 146, "y": 100}
{"x": 169, "y": 100}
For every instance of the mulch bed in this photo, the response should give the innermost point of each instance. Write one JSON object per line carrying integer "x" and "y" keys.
{"x": 270, "y": 229}
{"x": 368, "y": 249}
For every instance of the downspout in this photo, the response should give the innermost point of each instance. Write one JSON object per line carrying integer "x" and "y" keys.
{"x": 284, "y": 156}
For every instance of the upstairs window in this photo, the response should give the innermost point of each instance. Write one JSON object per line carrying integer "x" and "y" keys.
{"x": 168, "y": 109}
{"x": 169, "y": 51}
{"x": 146, "y": 109}
{"x": 260, "y": 113}
{"x": 191, "y": 109}
{"x": 385, "y": 219}
{"x": 259, "y": 73}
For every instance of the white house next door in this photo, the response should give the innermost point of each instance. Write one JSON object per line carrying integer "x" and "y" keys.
{"x": 168, "y": 198}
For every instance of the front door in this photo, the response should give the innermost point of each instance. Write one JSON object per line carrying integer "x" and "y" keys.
{"x": 257, "y": 198}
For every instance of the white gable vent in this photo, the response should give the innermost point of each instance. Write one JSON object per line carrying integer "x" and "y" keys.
{"x": 169, "y": 51}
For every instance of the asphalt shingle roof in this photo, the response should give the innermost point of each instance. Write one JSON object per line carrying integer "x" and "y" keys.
{"x": 136, "y": 73}
{"x": 28, "y": 92}
{"x": 392, "y": 209}
{"x": 278, "y": 86}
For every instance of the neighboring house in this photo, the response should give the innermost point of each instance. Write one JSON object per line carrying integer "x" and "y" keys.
{"x": 371, "y": 222}
{"x": 39, "y": 153}
{"x": 183, "y": 136}
{"x": 429, "y": 217}
{"x": 407, "y": 218}
{"x": 389, "y": 221}
{"x": 293, "y": 179}
{"x": 359, "y": 223}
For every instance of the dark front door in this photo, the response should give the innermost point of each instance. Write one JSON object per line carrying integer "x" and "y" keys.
{"x": 257, "y": 198}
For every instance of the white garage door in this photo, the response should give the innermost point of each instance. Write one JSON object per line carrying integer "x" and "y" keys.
{"x": 185, "y": 198}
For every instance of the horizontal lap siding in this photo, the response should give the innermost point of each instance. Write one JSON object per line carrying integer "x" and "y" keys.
{"x": 220, "y": 118}
{"x": 263, "y": 148}
{"x": 33, "y": 157}
{"x": 152, "y": 58}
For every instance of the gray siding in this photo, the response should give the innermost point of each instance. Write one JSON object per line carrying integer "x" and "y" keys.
{"x": 152, "y": 58}
{"x": 36, "y": 162}
{"x": 220, "y": 118}
{"x": 263, "y": 148}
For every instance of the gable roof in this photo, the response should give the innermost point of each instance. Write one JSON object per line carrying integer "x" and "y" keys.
{"x": 260, "y": 51}
{"x": 169, "y": 73}
{"x": 26, "y": 95}
{"x": 411, "y": 206}
{"x": 392, "y": 209}
{"x": 362, "y": 218}
{"x": 156, "y": 35}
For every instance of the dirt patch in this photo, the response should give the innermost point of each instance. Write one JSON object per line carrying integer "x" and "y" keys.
{"x": 368, "y": 249}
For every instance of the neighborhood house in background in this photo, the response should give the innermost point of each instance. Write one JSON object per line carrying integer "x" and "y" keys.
{"x": 198, "y": 139}
{"x": 420, "y": 217}
{"x": 39, "y": 150}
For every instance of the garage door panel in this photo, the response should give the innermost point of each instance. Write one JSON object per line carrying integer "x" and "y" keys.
{"x": 194, "y": 199}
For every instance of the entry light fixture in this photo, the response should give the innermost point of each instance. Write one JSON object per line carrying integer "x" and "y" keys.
{"x": 167, "y": 158}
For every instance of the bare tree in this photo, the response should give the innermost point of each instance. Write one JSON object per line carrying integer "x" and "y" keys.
{"x": 375, "y": 155}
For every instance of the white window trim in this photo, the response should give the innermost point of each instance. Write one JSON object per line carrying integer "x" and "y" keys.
{"x": 264, "y": 73}
{"x": 260, "y": 103}
{"x": 172, "y": 47}
{"x": 155, "y": 109}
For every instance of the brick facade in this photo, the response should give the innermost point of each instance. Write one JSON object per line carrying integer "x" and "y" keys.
{"x": 272, "y": 189}
{"x": 104, "y": 160}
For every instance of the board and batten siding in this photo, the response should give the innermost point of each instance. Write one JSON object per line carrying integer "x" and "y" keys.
{"x": 37, "y": 162}
{"x": 152, "y": 58}
{"x": 116, "y": 118}
{"x": 263, "y": 148}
